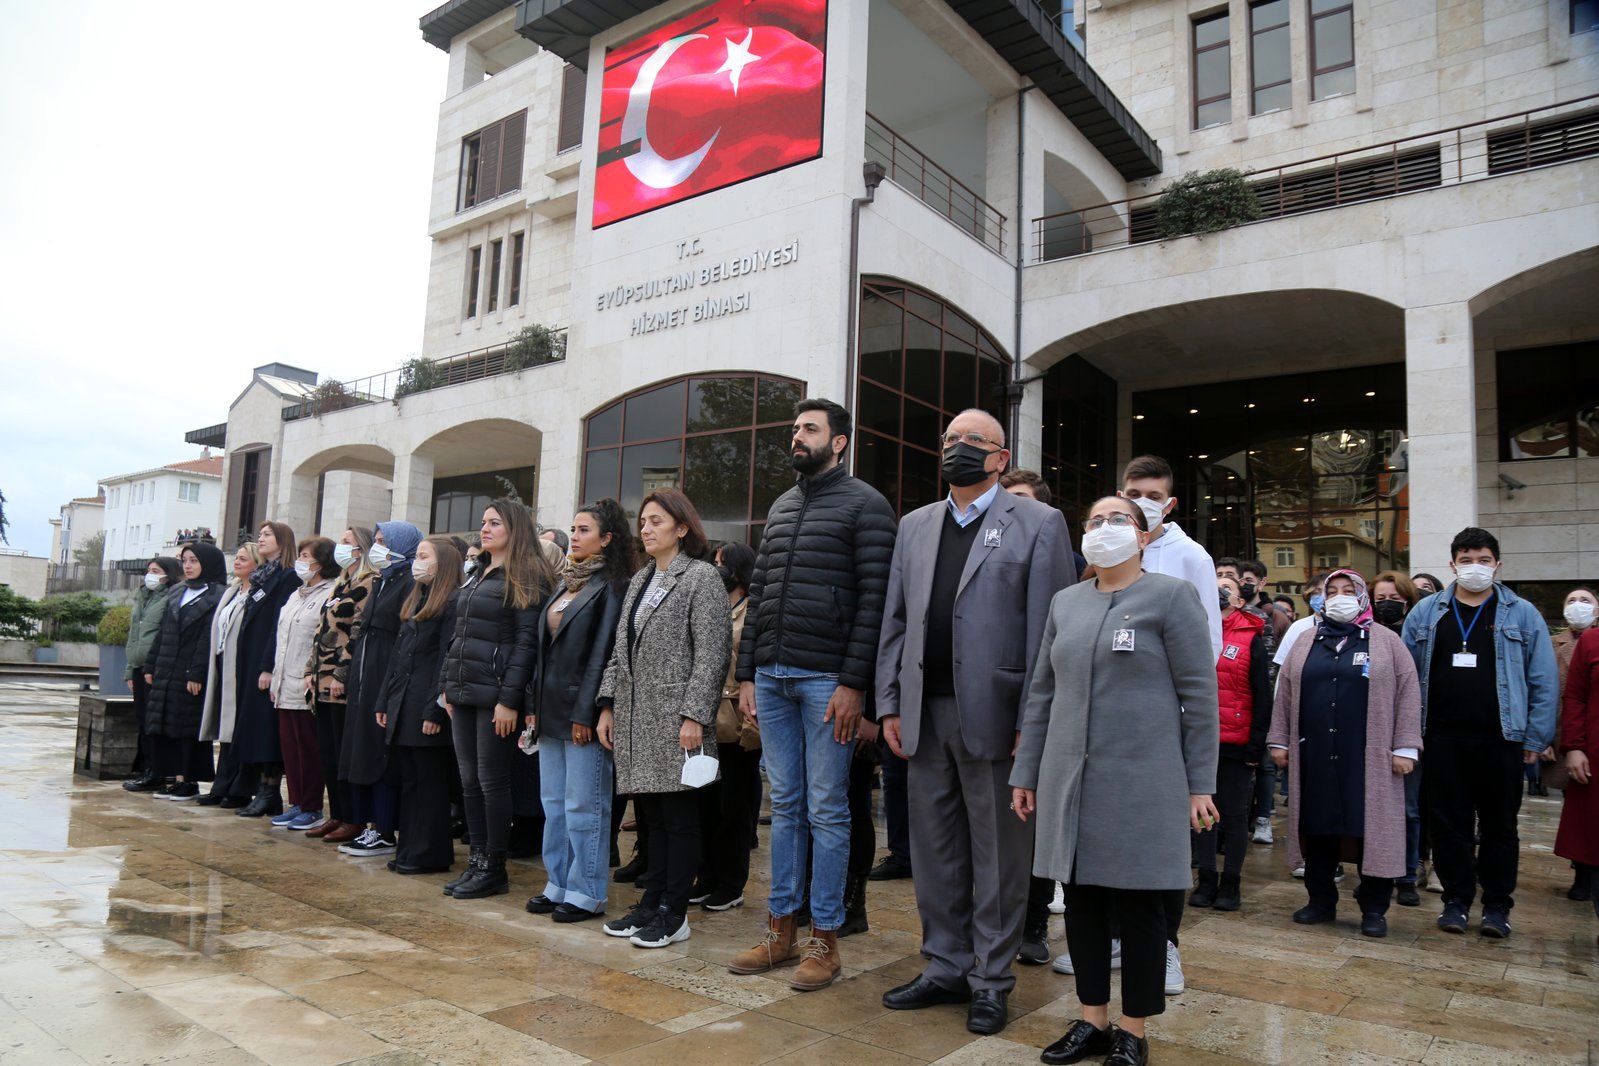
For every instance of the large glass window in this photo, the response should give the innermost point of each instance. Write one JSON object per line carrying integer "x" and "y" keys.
{"x": 1079, "y": 439}
{"x": 723, "y": 439}
{"x": 1270, "y": 75}
{"x": 1549, "y": 402}
{"x": 1332, "y": 48}
{"x": 1213, "y": 70}
{"x": 922, "y": 363}
{"x": 458, "y": 502}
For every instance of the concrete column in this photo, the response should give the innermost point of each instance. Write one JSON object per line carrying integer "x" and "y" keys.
{"x": 296, "y": 503}
{"x": 413, "y": 490}
{"x": 1441, "y": 413}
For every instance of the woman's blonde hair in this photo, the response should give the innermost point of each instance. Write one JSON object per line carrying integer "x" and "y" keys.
{"x": 249, "y": 548}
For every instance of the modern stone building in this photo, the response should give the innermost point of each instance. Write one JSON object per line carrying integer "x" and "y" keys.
{"x": 656, "y": 224}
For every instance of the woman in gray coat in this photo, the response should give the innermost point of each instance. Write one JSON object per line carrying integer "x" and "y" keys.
{"x": 1118, "y": 743}
{"x": 658, "y": 702}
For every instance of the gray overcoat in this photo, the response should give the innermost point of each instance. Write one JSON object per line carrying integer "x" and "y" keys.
{"x": 1115, "y": 742}
{"x": 1393, "y": 720}
{"x": 222, "y": 688}
{"x": 673, "y": 671}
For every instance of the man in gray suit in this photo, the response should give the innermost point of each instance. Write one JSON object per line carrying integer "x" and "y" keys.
{"x": 968, "y": 599}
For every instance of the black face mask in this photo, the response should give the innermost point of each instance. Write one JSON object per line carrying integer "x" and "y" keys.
{"x": 727, "y": 577}
{"x": 1247, "y": 590}
{"x": 1225, "y": 597}
{"x": 963, "y": 464}
{"x": 1389, "y": 612}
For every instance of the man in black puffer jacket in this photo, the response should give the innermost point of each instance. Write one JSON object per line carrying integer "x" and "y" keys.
{"x": 807, "y": 655}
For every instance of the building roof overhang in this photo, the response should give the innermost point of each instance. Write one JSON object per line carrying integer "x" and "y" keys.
{"x": 440, "y": 25}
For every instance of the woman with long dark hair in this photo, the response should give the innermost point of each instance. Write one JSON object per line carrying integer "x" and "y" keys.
{"x": 256, "y": 745}
{"x": 577, "y": 630}
{"x": 414, "y": 722}
{"x": 336, "y": 630}
{"x": 144, "y": 620}
{"x": 292, "y": 682}
{"x": 176, "y": 672}
{"x": 234, "y": 786}
{"x": 486, "y": 674}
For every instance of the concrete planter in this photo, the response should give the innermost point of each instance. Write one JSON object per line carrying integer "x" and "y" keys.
{"x": 46, "y": 655}
{"x": 113, "y": 664}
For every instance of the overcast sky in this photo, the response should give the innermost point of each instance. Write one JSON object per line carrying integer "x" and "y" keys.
{"x": 189, "y": 189}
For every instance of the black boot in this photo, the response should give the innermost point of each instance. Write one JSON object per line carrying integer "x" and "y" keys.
{"x": 1580, "y": 882}
{"x": 854, "y": 907}
{"x": 1205, "y": 894}
{"x": 473, "y": 862}
{"x": 633, "y": 870}
{"x": 1228, "y": 896}
{"x": 146, "y": 781}
{"x": 487, "y": 880}
{"x": 268, "y": 802}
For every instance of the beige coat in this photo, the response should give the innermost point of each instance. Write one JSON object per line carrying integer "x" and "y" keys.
{"x": 221, "y": 687}
{"x": 297, "y": 627}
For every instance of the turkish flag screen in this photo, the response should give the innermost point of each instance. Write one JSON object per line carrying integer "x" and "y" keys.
{"x": 727, "y": 92}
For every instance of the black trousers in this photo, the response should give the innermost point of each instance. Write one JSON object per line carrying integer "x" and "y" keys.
{"x": 141, "y": 693}
{"x": 233, "y": 778}
{"x": 183, "y": 757}
{"x": 329, "y": 737}
{"x": 896, "y": 804}
{"x": 1474, "y": 782}
{"x": 487, "y": 762}
{"x": 728, "y": 810}
{"x": 424, "y": 819}
{"x": 673, "y": 822}
{"x": 1235, "y": 791}
{"x": 1143, "y": 935}
{"x": 862, "y": 830}
{"x": 1321, "y": 865}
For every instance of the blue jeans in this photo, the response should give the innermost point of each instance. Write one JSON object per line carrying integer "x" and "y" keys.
{"x": 575, "y": 789}
{"x": 808, "y": 772}
{"x": 1412, "y": 826}
{"x": 1265, "y": 785}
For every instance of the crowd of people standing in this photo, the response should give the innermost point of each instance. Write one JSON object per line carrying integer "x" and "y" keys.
{"x": 1033, "y": 710}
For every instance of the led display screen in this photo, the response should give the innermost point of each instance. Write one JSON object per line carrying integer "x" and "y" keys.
{"x": 727, "y": 92}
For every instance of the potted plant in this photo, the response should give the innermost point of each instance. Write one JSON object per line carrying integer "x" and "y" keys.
{"x": 419, "y": 375}
{"x": 45, "y": 650}
{"x": 1206, "y": 201}
{"x": 112, "y": 633}
{"x": 534, "y": 346}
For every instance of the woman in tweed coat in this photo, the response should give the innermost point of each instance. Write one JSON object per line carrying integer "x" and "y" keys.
{"x": 658, "y": 704}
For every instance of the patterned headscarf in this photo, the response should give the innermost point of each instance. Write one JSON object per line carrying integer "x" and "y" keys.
{"x": 1364, "y": 619}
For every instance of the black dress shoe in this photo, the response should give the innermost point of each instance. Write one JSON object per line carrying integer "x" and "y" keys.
{"x": 892, "y": 868}
{"x": 1407, "y": 896}
{"x": 145, "y": 782}
{"x": 541, "y": 904}
{"x": 233, "y": 803}
{"x": 1314, "y": 915}
{"x": 1127, "y": 1049}
{"x": 986, "y": 1016}
{"x": 396, "y": 866}
{"x": 571, "y": 912}
{"x": 210, "y": 799}
{"x": 1081, "y": 1040}
{"x": 923, "y": 992}
{"x": 1373, "y": 925}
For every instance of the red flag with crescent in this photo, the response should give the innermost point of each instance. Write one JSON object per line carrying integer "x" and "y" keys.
{"x": 722, "y": 94}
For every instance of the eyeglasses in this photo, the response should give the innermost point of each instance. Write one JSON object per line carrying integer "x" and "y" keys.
{"x": 1119, "y": 519}
{"x": 975, "y": 439}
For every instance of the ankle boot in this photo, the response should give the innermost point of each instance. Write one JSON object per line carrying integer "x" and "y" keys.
{"x": 632, "y": 871}
{"x": 487, "y": 880}
{"x": 854, "y": 907}
{"x": 474, "y": 862}
{"x": 820, "y": 966}
{"x": 776, "y": 948}
{"x": 267, "y": 802}
{"x": 1227, "y": 897}
{"x": 1204, "y": 895}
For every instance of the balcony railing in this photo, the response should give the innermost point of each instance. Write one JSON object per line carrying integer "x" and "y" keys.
{"x": 425, "y": 375}
{"x": 924, "y": 179}
{"x": 1544, "y": 136}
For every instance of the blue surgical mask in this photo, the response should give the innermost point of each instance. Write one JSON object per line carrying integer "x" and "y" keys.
{"x": 1317, "y": 601}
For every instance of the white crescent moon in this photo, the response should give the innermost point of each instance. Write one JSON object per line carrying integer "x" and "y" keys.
{"x": 647, "y": 165}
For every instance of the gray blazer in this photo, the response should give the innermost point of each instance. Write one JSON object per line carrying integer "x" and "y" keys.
{"x": 1114, "y": 741}
{"x": 1021, "y": 558}
{"x": 674, "y": 671}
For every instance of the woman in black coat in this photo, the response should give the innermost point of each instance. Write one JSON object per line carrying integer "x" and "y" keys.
{"x": 255, "y": 746}
{"x": 364, "y": 754}
{"x": 413, "y": 720}
{"x": 175, "y": 674}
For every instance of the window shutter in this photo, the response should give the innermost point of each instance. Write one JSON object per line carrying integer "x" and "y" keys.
{"x": 511, "y": 151}
{"x": 488, "y": 167}
{"x": 574, "y": 83}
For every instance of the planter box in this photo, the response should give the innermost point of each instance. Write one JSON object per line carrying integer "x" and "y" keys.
{"x": 113, "y": 664}
{"x": 46, "y": 655}
{"x": 108, "y": 738}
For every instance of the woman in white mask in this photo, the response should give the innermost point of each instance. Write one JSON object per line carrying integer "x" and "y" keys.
{"x": 293, "y": 683}
{"x": 1581, "y": 610}
{"x": 1118, "y": 743}
{"x": 1348, "y": 725}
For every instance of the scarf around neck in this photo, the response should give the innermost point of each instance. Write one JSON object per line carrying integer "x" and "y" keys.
{"x": 579, "y": 574}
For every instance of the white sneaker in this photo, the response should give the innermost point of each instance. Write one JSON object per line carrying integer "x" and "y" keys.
{"x": 1262, "y": 834}
{"x": 1338, "y": 874}
{"x": 1058, "y": 904}
{"x": 358, "y": 846}
{"x": 1299, "y": 871}
{"x": 1174, "y": 971}
{"x": 1433, "y": 884}
{"x": 1063, "y": 961}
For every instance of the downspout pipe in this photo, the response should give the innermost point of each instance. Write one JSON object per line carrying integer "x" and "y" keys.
{"x": 874, "y": 173}
{"x": 1013, "y": 392}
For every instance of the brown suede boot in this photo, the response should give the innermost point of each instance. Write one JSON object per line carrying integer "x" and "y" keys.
{"x": 775, "y": 949}
{"x": 820, "y": 965}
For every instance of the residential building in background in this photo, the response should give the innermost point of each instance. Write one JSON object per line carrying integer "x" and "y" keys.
{"x": 148, "y": 512}
{"x": 80, "y": 521}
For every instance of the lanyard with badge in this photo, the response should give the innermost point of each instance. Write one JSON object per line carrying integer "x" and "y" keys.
{"x": 1465, "y": 656}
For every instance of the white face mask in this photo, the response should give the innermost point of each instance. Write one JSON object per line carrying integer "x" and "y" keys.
{"x": 1109, "y": 545}
{"x": 1154, "y": 512}
{"x": 302, "y": 568}
{"x": 699, "y": 770}
{"x": 421, "y": 571}
{"x": 379, "y": 555}
{"x": 155, "y": 581}
{"x": 1579, "y": 614}
{"x": 471, "y": 565}
{"x": 1474, "y": 577}
{"x": 343, "y": 554}
{"x": 1344, "y": 608}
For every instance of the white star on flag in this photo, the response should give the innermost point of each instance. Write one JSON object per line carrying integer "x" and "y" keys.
{"x": 738, "y": 57}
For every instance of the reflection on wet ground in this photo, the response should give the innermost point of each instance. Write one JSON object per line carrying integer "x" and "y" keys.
{"x": 133, "y": 930}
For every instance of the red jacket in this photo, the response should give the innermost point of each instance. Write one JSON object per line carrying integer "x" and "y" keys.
{"x": 1243, "y": 686}
{"x": 1578, "y": 837}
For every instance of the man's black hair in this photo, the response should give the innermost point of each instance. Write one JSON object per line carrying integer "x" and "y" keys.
{"x": 839, "y": 422}
{"x": 1472, "y": 539}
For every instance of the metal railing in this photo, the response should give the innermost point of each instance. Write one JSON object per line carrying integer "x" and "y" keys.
{"x": 74, "y": 578}
{"x": 910, "y": 169}
{"x": 425, "y": 375}
{"x": 1543, "y": 136}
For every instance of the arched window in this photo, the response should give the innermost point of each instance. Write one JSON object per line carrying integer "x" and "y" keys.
{"x": 922, "y": 363}
{"x": 721, "y": 438}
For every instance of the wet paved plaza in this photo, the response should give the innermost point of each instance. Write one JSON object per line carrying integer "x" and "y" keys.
{"x": 133, "y": 930}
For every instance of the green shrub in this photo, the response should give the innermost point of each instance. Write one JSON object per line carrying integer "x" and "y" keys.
{"x": 113, "y": 628}
{"x": 419, "y": 375}
{"x": 534, "y": 346}
{"x": 72, "y": 617}
{"x": 19, "y": 616}
{"x": 1205, "y": 202}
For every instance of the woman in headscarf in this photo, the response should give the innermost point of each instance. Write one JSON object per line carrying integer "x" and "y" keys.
{"x": 234, "y": 786}
{"x": 1347, "y": 724}
{"x": 176, "y": 671}
{"x": 341, "y": 619}
{"x": 363, "y": 758}
{"x": 255, "y": 728}
{"x": 149, "y": 603}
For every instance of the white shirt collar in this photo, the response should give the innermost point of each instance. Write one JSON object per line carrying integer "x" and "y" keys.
{"x": 974, "y": 510}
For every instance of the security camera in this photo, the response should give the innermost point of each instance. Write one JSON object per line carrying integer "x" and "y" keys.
{"x": 1511, "y": 485}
